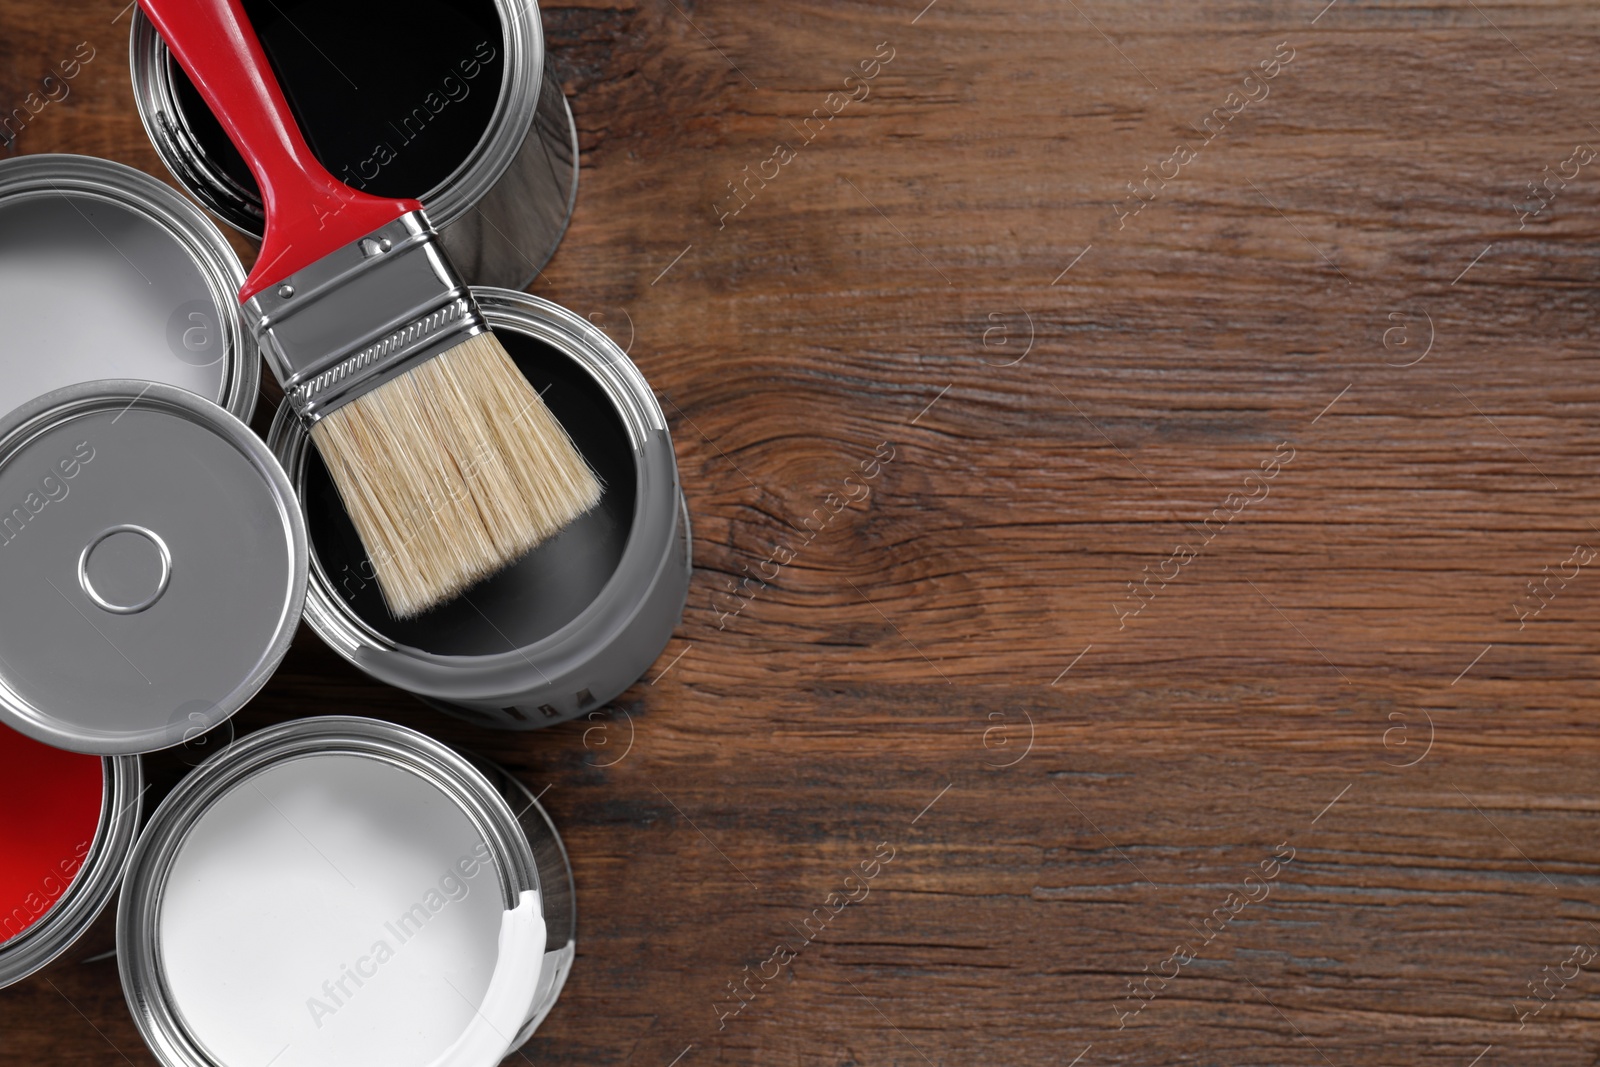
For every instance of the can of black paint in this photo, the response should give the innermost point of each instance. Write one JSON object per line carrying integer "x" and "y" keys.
{"x": 451, "y": 102}
{"x": 578, "y": 620}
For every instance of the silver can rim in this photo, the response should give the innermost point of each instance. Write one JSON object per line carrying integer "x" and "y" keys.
{"x": 558, "y": 960}
{"x": 483, "y": 677}
{"x": 57, "y": 174}
{"x": 41, "y": 414}
{"x": 70, "y": 917}
{"x": 522, "y": 36}
{"x": 139, "y": 957}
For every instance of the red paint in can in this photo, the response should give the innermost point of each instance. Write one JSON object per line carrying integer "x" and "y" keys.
{"x": 50, "y": 803}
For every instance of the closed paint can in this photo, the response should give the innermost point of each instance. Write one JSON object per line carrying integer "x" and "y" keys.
{"x": 107, "y": 273}
{"x": 579, "y": 619}
{"x": 341, "y": 890}
{"x": 153, "y": 561}
{"x": 450, "y": 102}
{"x": 67, "y": 827}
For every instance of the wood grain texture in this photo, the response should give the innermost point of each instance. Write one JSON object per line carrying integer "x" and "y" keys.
{"x": 1338, "y": 669}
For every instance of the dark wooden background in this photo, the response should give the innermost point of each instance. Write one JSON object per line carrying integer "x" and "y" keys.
{"x": 1341, "y": 671}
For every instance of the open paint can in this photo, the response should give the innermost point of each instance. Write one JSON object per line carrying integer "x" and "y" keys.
{"x": 450, "y": 102}
{"x": 107, "y": 273}
{"x": 67, "y": 825}
{"x": 152, "y": 562}
{"x": 340, "y": 890}
{"x": 576, "y": 621}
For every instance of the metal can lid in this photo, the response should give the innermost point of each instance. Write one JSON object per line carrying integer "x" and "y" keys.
{"x": 152, "y": 563}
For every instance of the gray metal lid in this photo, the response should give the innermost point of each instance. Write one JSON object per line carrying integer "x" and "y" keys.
{"x": 152, "y": 564}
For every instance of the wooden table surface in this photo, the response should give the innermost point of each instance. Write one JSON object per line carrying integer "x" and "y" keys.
{"x": 1213, "y": 652}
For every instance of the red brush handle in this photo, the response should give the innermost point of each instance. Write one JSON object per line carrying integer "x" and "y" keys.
{"x": 310, "y": 213}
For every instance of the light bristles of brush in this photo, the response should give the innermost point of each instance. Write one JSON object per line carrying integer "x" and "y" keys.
{"x": 451, "y": 471}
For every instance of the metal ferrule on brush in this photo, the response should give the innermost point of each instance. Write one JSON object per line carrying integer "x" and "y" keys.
{"x": 361, "y": 316}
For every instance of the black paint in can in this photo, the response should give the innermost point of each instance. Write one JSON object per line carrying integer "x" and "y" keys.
{"x": 391, "y": 99}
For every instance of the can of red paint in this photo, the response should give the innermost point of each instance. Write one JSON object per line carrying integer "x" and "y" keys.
{"x": 67, "y": 825}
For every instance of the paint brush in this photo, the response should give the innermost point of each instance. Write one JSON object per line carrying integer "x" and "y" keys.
{"x": 447, "y": 460}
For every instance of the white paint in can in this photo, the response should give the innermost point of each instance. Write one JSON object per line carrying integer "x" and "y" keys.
{"x": 338, "y": 909}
